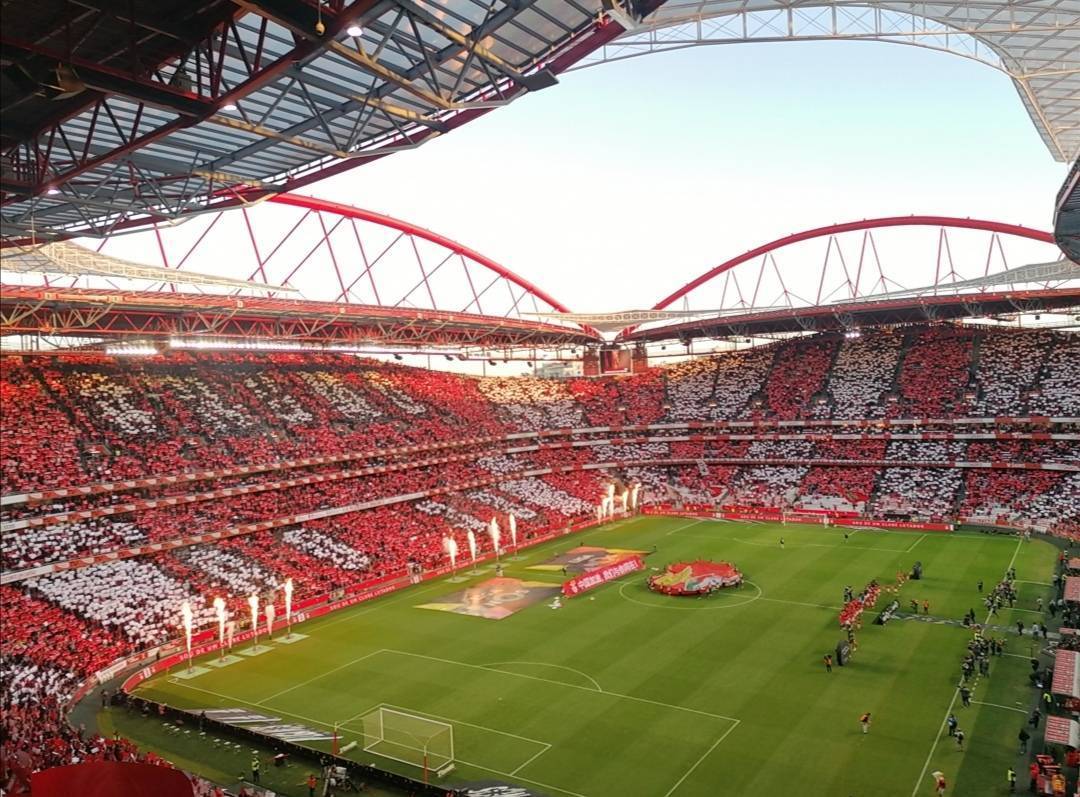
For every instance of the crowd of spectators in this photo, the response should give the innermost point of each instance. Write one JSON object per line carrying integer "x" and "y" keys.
{"x": 864, "y": 372}
{"x": 530, "y": 404}
{"x": 935, "y": 376}
{"x": 801, "y": 368}
{"x": 133, "y": 597}
{"x": 1008, "y": 370}
{"x": 927, "y": 492}
{"x": 88, "y": 417}
{"x": 1057, "y": 392}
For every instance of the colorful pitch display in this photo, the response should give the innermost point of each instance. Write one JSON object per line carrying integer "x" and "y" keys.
{"x": 632, "y": 693}
{"x": 494, "y": 599}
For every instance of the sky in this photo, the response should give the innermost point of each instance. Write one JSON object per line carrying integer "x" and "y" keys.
{"x": 628, "y": 179}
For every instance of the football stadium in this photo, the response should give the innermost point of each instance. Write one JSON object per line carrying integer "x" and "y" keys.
{"x": 304, "y": 496}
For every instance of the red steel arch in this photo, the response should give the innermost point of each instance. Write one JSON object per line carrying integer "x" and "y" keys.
{"x": 854, "y": 226}
{"x": 348, "y": 211}
{"x": 359, "y": 277}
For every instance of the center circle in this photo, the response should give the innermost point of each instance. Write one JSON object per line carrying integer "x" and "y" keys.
{"x": 670, "y": 602}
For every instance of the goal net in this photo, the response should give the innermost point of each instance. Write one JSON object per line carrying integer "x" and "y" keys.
{"x": 410, "y": 739}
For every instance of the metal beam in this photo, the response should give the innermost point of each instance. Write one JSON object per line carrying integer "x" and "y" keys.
{"x": 104, "y": 80}
{"x": 301, "y": 19}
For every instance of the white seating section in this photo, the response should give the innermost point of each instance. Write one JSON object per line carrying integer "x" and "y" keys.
{"x": 228, "y": 570}
{"x": 323, "y": 546}
{"x": 133, "y": 596}
{"x": 864, "y": 370}
{"x": 340, "y": 396}
{"x": 928, "y": 491}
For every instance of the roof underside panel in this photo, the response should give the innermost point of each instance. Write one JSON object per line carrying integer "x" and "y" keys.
{"x": 110, "y": 122}
{"x": 117, "y": 114}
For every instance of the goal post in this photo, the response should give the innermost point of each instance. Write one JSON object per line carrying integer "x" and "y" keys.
{"x": 409, "y": 739}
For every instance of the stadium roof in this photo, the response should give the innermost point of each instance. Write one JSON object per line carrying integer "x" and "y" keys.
{"x": 1067, "y": 215}
{"x": 208, "y": 320}
{"x": 113, "y": 118}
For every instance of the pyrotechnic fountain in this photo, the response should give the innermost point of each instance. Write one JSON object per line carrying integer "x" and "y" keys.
{"x": 269, "y": 611}
{"x": 253, "y": 604}
{"x": 185, "y": 613}
{"x": 496, "y": 535}
{"x": 219, "y": 608}
{"x": 472, "y": 550}
{"x": 288, "y": 607}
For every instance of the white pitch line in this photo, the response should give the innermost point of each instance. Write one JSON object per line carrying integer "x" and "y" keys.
{"x": 321, "y": 675}
{"x": 342, "y": 726}
{"x": 684, "y": 526}
{"x": 998, "y": 705}
{"x": 497, "y": 664}
{"x": 234, "y": 699}
{"x": 799, "y": 603}
{"x": 697, "y": 763}
{"x": 912, "y": 548}
{"x": 956, "y": 694}
{"x": 525, "y": 780}
{"x": 518, "y": 769}
{"x": 564, "y": 684}
{"x": 429, "y": 715}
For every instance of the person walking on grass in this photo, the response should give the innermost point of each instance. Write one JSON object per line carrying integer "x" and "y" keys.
{"x": 959, "y": 740}
{"x": 1020, "y": 627}
{"x": 1036, "y": 717}
{"x": 1010, "y": 778}
{"x": 781, "y": 543}
{"x": 1023, "y": 736}
{"x": 926, "y": 607}
{"x": 828, "y": 662}
{"x": 965, "y": 696}
{"x": 864, "y": 720}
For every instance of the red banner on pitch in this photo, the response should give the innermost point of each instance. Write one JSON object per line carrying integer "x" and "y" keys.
{"x": 602, "y": 575}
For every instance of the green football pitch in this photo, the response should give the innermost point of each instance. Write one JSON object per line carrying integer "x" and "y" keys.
{"x": 626, "y": 693}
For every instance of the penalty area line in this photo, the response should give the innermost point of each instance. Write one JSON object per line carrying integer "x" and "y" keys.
{"x": 697, "y": 763}
{"x": 684, "y": 526}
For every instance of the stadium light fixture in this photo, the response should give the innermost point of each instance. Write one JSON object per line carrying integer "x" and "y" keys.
{"x": 131, "y": 350}
{"x": 229, "y": 106}
{"x": 355, "y": 31}
{"x": 52, "y": 190}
